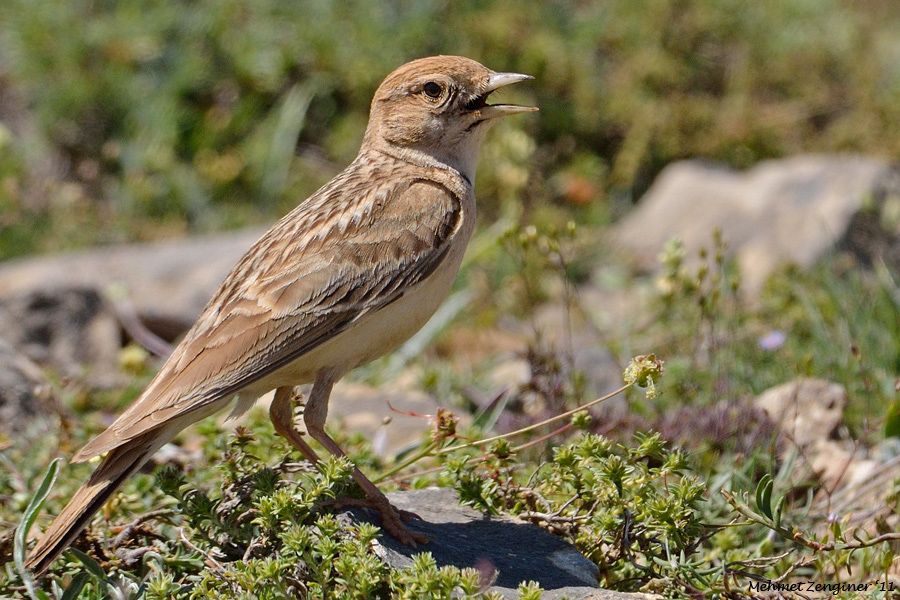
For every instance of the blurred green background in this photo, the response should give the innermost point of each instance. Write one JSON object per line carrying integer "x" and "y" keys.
{"x": 140, "y": 119}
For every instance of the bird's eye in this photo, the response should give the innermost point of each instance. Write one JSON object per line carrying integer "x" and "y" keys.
{"x": 433, "y": 90}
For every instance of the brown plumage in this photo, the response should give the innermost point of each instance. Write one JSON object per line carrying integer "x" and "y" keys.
{"x": 345, "y": 277}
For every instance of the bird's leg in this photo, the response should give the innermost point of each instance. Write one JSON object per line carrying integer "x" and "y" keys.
{"x": 314, "y": 415}
{"x": 281, "y": 411}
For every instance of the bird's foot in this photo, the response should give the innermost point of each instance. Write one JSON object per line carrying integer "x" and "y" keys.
{"x": 392, "y": 519}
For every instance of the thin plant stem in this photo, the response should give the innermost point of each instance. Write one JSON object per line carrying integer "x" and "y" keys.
{"x": 428, "y": 449}
{"x": 414, "y": 457}
{"x": 534, "y": 426}
{"x": 484, "y": 457}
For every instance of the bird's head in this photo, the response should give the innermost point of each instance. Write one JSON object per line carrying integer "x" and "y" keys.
{"x": 437, "y": 108}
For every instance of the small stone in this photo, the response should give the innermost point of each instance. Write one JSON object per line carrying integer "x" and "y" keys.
{"x": 808, "y": 412}
{"x": 509, "y": 374}
{"x": 805, "y": 410}
{"x": 23, "y": 393}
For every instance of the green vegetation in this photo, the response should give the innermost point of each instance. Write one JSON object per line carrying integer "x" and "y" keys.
{"x": 149, "y": 119}
{"x": 708, "y": 516}
{"x": 142, "y": 119}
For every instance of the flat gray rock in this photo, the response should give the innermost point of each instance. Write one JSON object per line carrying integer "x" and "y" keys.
{"x": 168, "y": 282}
{"x": 793, "y": 210}
{"x": 515, "y": 550}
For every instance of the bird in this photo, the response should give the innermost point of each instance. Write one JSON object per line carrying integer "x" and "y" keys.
{"x": 345, "y": 277}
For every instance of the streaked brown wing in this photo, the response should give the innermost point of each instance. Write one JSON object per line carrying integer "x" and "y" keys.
{"x": 321, "y": 268}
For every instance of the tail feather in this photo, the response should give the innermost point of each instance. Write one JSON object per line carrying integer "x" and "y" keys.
{"x": 116, "y": 466}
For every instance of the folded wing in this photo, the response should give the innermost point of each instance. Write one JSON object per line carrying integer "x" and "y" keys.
{"x": 334, "y": 259}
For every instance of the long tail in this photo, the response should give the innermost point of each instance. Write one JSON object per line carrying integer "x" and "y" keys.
{"x": 115, "y": 468}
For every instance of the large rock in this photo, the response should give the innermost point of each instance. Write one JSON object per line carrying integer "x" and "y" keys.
{"x": 71, "y": 330}
{"x": 793, "y": 210}
{"x": 168, "y": 282}
{"x": 511, "y": 549}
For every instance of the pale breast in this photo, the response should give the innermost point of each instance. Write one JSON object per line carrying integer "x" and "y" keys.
{"x": 383, "y": 331}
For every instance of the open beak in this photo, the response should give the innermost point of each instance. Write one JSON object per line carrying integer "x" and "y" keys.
{"x": 495, "y": 82}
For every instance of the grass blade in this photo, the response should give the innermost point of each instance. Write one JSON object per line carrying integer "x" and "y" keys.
{"x": 92, "y": 566}
{"x": 75, "y": 587}
{"x": 764, "y": 495}
{"x": 28, "y": 518}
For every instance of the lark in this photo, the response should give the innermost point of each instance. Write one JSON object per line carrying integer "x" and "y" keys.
{"x": 345, "y": 277}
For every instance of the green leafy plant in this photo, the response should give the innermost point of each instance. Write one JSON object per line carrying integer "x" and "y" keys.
{"x": 28, "y": 518}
